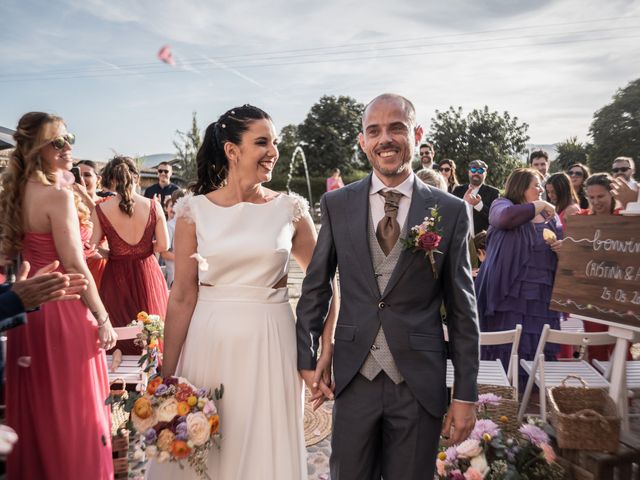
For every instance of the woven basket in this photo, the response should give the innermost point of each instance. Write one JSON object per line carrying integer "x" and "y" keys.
{"x": 119, "y": 395}
{"x": 505, "y": 414}
{"x": 584, "y": 418}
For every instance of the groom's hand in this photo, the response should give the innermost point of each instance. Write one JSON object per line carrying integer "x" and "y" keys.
{"x": 461, "y": 417}
{"x": 318, "y": 388}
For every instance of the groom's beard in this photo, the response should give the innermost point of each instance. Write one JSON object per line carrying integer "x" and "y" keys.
{"x": 391, "y": 172}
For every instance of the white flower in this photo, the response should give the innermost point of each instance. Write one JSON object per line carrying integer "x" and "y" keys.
{"x": 469, "y": 448}
{"x": 209, "y": 408}
{"x": 151, "y": 451}
{"x": 198, "y": 428}
{"x": 480, "y": 464}
{"x": 163, "y": 457}
{"x": 203, "y": 265}
{"x": 138, "y": 454}
{"x": 143, "y": 424}
{"x": 167, "y": 410}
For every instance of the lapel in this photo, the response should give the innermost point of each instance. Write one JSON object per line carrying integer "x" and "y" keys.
{"x": 358, "y": 214}
{"x": 421, "y": 202}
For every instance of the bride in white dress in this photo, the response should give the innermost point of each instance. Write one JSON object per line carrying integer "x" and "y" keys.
{"x": 229, "y": 320}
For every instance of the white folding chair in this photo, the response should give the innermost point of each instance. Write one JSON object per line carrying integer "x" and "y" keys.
{"x": 491, "y": 372}
{"x": 550, "y": 374}
{"x": 128, "y": 368}
{"x": 632, "y": 369}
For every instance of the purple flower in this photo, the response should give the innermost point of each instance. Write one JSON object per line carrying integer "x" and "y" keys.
{"x": 452, "y": 454}
{"x": 202, "y": 392}
{"x": 182, "y": 436}
{"x": 182, "y": 419}
{"x": 482, "y": 427}
{"x": 161, "y": 390}
{"x": 536, "y": 435}
{"x": 170, "y": 381}
{"x": 150, "y": 436}
{"x": 181, "y": 428}
{"x": 488, "y": 399}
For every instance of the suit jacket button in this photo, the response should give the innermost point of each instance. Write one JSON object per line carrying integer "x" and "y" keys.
{"x": 381, "y": 305}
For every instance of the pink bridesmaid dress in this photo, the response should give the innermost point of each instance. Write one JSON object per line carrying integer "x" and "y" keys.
{"x": 57, "y": 384}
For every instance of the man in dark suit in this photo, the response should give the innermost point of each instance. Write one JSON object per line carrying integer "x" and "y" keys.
{"x": 389, "y": 357}
{"x": 478, "y": 195}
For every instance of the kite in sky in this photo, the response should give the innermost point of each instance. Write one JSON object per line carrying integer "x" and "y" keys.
{"x": 166, "y": 56}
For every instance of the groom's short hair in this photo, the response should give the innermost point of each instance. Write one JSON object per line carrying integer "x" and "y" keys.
{"x": 406, "y": 104}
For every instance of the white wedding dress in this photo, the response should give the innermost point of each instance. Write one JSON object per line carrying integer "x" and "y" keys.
{"x": 242, "y": 335}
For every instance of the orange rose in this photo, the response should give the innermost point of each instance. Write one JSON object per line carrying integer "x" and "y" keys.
{"x": 214, "y": 421}
{"x": 142, "y": 316}
{"x": 154, "y": 383}
{"x": 183, "y": 408}
{"x": 143, "y": 408}
{"x": 180, "y": 449}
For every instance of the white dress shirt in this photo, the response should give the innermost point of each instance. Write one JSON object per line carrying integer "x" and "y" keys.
{"x": 470, "y": 208}
{"x": 376, "y": 201}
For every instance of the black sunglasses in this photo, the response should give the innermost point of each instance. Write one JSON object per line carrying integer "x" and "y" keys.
{"x": 162, "y": 170}
{"x": 620, "y": 169}
{"x": 445, "y": 169}
{"x": 576, "y": 173}
{"x": 479, "y": 170}
{"x": 59, "y": 142}
{"x": 424, "y": 154}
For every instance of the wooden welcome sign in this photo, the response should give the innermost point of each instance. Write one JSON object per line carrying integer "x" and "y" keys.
{"x": 598, "y": 271}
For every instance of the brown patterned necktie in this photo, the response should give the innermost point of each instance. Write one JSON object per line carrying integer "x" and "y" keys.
{"x": 388, "y": 230}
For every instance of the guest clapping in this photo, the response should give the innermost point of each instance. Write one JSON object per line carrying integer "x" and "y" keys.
{"x": 515, "y": 280}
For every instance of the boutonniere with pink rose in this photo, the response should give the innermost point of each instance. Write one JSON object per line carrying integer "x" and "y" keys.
{"x": 426, "y": 237}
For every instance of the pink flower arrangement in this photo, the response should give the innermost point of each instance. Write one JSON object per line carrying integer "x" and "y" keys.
{"x": 426, "y": 238}
{"x": 488, "y": 455}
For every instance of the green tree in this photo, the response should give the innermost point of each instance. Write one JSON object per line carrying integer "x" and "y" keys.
{"x": 569, "y": 152}
{"x": 187, "y": 145}
{"x": 616, "y": 129}
{"x": 497, "y": 139}
{"x": 329, "y": 135}
{"x": 287, "y": 144}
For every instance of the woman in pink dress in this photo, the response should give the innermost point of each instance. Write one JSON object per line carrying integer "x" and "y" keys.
{"x": 56, "y": 369}
{"x": 334, "y": 182}
{"x": 132, "y": 280}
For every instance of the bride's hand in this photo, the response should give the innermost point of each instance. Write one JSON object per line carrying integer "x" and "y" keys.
{"x": 323, "y": 377}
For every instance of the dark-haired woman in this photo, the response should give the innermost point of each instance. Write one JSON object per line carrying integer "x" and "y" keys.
{"x": 229, "y": 319}
{"x": 579, "y": 173}
{"x": 56, "y": 370}
{"x": 560, "y": 193}
{"x": 447, "y": 168}
{"x": 135, "y": 228}
{"x": 515, "y": 281}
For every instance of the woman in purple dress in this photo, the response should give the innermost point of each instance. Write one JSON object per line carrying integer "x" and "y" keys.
{"x": 515, "y": 281}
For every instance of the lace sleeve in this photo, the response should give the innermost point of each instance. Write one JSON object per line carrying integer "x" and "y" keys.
{"x": 184, "y": 208}
{"x": 300, "y": 206}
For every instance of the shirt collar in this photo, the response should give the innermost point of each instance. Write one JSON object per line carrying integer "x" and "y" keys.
{"x": 405, "y": 188}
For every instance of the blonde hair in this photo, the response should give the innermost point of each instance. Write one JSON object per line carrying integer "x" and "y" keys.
{"x": 32, "y": 134}
{"x": 34, "y": 131}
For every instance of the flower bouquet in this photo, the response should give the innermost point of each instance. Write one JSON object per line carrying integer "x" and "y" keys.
{"x": 487, "y": 454}
{"x": 426, "y": 238}
{"x": 176, "y": 421}
{"x": 150, "y": 341}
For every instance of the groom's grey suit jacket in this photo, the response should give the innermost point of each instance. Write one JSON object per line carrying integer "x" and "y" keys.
{"x": 409, "y": 307}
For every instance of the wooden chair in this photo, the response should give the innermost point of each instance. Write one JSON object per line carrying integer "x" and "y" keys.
{"x": 128, "y": 368}
{"x": 491, "y": 372}
{"x": 546, "y": 374}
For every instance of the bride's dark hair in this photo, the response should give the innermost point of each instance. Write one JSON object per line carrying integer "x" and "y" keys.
{"x": 211, "y": 160}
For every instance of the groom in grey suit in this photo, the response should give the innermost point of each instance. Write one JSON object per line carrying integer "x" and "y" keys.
{"x": 389, "y": 357}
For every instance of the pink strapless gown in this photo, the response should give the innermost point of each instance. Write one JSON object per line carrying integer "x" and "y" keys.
{"x": 56, "y": 402}
{"x": 132, "y": 280}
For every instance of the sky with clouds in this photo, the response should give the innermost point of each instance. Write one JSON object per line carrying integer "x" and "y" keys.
{"x": 551, "y": 63}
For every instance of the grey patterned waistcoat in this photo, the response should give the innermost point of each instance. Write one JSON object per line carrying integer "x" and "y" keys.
{"x": 380, "y": 358}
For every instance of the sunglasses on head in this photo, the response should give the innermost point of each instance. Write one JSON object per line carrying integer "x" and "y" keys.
{"x": 163, "y": 170}
{"x": 445, "y": 169}
{"x": 479, "y": 170}
{"x": 620, "y": 169}
{"x": 59, "y": 142}
{"x": 576, "y": 173}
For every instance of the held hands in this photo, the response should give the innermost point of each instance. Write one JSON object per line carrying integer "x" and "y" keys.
{"x": 470, "y": 198}
{"x": 459, "y": 422}
{"x": 47, "y": 285}
{"x": 319, "y": 380}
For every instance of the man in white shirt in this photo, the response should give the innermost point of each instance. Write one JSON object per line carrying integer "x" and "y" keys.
{"x": 427, "y": 153}
{"x": 625, "y": 168}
